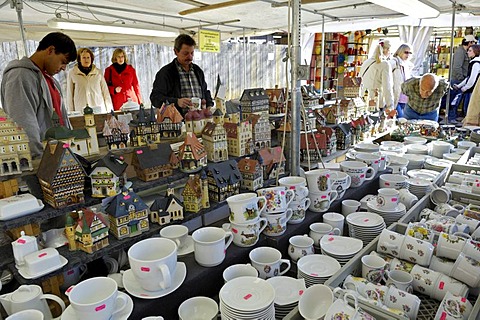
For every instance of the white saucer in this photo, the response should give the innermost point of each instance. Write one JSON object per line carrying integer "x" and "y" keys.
{"x": 187, "y": 247}
{"x": 134, "y": 288}
{"x": 69, "y": 313}
{"x": 24, "y": 273}
{"x": 400, "y": 207}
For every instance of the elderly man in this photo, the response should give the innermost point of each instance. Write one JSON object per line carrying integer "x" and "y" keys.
{"x": 424, "y": 96}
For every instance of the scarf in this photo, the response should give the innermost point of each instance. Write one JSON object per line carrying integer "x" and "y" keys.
{"x": 85, "y": 70}
{"x": 119, "y": 67}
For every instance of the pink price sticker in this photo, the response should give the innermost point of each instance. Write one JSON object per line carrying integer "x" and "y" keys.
{"x": 145, "y": 269}
{"x": 21, "y": 241}
{"x": 139, "y": 151}
{"x": 394, "y": 199}
{"x": 323, "y": 197}
{"x": 248, "y": 296}
{"x": 126, "y": 197}
{"x": 314, "y": 274}
{"x": 441, "y": 285}
{"x": 366, "y": 220}
{"x": 70, "y": 272}
{"x": 100, "y": 308}
{"x": 234, "y": 230}
{"x": 376, "y": 161}
{"x": 387, "y": 183}
{"x": 362, "y": 176}
{"x": 69, "y": 289}
{"x": 42, "y": 255}
{"x": 66, "y": 146}
{"x": 443, "y": 316}
{"x": 463, "y": 299}
{"x": 327, "y": 175}
{"x": 331, "y": 239}
{"x": 300, "y": 292}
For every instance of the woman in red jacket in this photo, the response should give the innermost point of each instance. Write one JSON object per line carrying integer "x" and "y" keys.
{"x": 122, "y": 80}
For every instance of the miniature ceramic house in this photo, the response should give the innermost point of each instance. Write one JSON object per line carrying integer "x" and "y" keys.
{"x": 144, "y": 131}
{"x": 86, "y": 230}
{"x": 331, "y": 137}
{"x": 232, "y": 112}
{"x": 272, "y": 161}
{"x": 61, "y": 176}
{"x": 223, "y": 180}
{"x": 14, "y": 150}
{"x": 192, "y": 154}
{"x": 166, "y": 209}
{"x": 252, "y": 174}
{"x": 344, "y": 136}
{"x": 330, "y": 114}
{"x": 316, "y": 142}
{"x": 115, "y": 133}
{"x": 215, "y": 139}
{"x": 170, "y": 121}
{"x": 195, "y": 193}
{"x": 107, "y": 175}
{"x": 360, "y": 106}
{"x": 261, "y": 134}
{"x": 239, "y": 138}
{"x": 276, "y": 98}
{"x": 195, "y": 121}
{"x": 153, "y": 162}
{"x": 128, "y": 215}
{"x": 254, "y": 101}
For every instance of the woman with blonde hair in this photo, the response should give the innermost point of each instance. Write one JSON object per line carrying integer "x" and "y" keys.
{"x": 86, "y": 85}
{"x": 376, "y": 74}
{"x": 122, "y": 80}
{"x": 401, "y": 71}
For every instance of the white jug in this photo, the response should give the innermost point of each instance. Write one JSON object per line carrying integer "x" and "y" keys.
{"x": 23, "y": 246}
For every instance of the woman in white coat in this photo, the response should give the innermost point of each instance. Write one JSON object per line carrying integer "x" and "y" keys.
{"x": 401, "y": 71}
{"x": 86, "y": 85}
{"x": 376, "y": 74}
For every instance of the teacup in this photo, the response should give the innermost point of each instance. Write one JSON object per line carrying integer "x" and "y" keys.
{"x": 96, "y": 299}
{"x": 340, "y": 309}
{"x": 424, "y": 279}
{"x": 384, "y": 161}
{"x": 398, "y": 165}
{"x": 395, "y": 181}
{"x": 299, "y": 209}
{"x": 198, "y": 308}
{"x": 277, "y": 222}
{"x": 472, "y": 223}
{"x": 370, "y": 160}
{"x": 416, "y": 251}
{"x": 341, "y": 183}
{"x": 153, "y": 263}
{"x": 447, "y": 210}
{"x": 388, "y": 198}
{"x": 319, "y": 180}
{"x": 400, "y": 279}
{"x": 297, "y": 184}
{"x": 407, "y": 198}
{"x": 300, "y": 246}
{"x": 336, "y": 220}
{"x": 440, "y": 195}
{"x": 276, "y": 198}
{"x": 453, "y": 307}
{"x": 247, "y": 234}
{"x": 467, "y": 270}
{"x": 429, "y": 214}
{"x": 375, "y": 293}
{"x": 355, "y": 284}
{"x": 268, "y": 262}
{"x": 319, "y": 229}
{"x": 373, "y": 268}
{"x": 177, "y": 233}
{"x": 244, "y": 207}
{"x": 358, "y": 171}
{"x": 450, "y": 246}
{"x": 350, "y": 206}
{"x": 420, "y": 231}
{"x": 210, "y": 245}
{"x": 239, "y": 270}
{"x": 472, "y": 249}
{"x": 320, "y": 202}
{"x": 404, "y": 301}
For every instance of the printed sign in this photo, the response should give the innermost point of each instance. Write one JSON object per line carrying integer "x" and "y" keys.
{"x": 209, "y": 40}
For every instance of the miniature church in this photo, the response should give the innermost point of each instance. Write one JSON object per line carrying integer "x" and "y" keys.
{"x": 86, "y": 230}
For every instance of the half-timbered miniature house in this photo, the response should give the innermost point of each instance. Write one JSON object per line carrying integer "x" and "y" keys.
{"x": 214, "y": 138}
{"x": 252, "y": 174}
{"x": 153, "y": 161}
{"x": 232, "y": 112}
{"x": 144, "y": 131}
{"x": 166, "y": 209}
{"x": 61, "y": 176}
{"x": 254, "y": 101}
{"x": 344, "y": 136}
{"x": 108, "y": 175}
{"x": 223, "y": 180}
{"x": 86, "y": 230}
{"x": 170, "y": 121}
{"x": 192, "y": 154}
{"x": 276, "y": 98}
{"x": 128, "y": 215}
{"x": 115, "y": 133}
{"x": 316, "y": 142}
{"x": 195, "y": 193}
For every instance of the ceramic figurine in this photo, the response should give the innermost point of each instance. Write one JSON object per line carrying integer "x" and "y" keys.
{"x": 153, "y": 161}
{"x": 261, "y": 134}
{"x": 61, "y": 176}
{"x": 86, "y": 230}
{"x": 272, "y": 161}
{"x": 316, "y": 141}
{"x": 239, "y": 138}
{"x": 128, "y": 215}
{"x": 195, "y": 193}
{"x": 331, "y": 140}
{"x": 144, "y": 132}
{"x": 166, "y": 209}
{"x": 252, "y": 174}
{"x": 254, "y": 101}
{"x": 344, "y": 136}
{"x": 115, "y": 132}
{"x": 108, "y": 175}
{"x": 276, "y": 98}
{"x": 195, "y": 121}
{"x": 215, "y": 138}
{"x": 192, "y": 154}
{"x": 170, "y": 121}
{"x": 223, "y": 180}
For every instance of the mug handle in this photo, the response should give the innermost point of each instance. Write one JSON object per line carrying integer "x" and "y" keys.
{"x": 335, "y": 231}
{"x": 167, "y": 278}
{"x": 289, "y": 214}
{"x": 229, "y": 235}
{"x": 306, "y": 203}
{"x": 333, "y": 195}
{"x": 263, "y": 200}
{"x": 287, "y": 262}
{"x": 289, "y": 198}
{"x": 349, "y": 182}
{"x": 305, "y": 190}
{"x": 56, "y": 299}
{"x": 123, "y": 304}
{"x": 372, "y": 174}
{"x": 263, "y": 224}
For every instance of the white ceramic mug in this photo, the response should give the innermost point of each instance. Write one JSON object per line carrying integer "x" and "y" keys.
{"x": 153, "y": 262}
{"x": 388, "y": 198}
{"x": 440, "y": 195}
{"x": 404, "y": 301}
{"x": 442, "y": 265}
{"x": 450, "y": 246}
{"x": 320, "y": 202}
{"x": 319, "y": 180}
{"x": 390, "y": 242}
{"x": 300, "y": 246}
{"x": 341, "y": 182}
{"x": 454, "y": 307}
{"x": 358, "y": 171}
{"x": 268, "y": 262}
{"x": 297, "y": 184}
{"x": 417, "y": 251}
{"x": 373, "y": 268}
{"x": 246, "y": 235}
{"x": 277, "y": 222}
{"x": 177, "y": 233}
{"x": 276, "y": 198}
{"x": 445, "y": 284}
{"x": 244, "y": 207}
{"x": 395, "y": 181}
{"x": 198, "y": 308}
{"x": 407, "y": 198}
{"x": 336, "y": 220}
{"x": 210, "y": 245}
{"x": 467, "y": 270}
{"x": 96, "y": 299}
{"x": 350, "y": 206}
{"x": 239, "y": 270}
{"x": 30, "y": 314}
{"x": 319, "y": 229}
{"x": 424, "y": 279}
{"x": 299, "y": 210}
{"x": 400, "y": 279}
{"x": 370, "y": 160}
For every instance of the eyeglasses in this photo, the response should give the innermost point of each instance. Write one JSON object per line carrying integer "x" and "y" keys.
{"x": 408, "y": 52}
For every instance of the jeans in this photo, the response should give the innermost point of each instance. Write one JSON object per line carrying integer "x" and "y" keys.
{"x": 411, "y": 114}
{"x": 400, "y": 108}
{"x": 466, "y": 101}
{"x": 452, "y": 110}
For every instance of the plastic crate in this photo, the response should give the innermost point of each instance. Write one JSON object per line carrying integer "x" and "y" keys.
{"x": 468, "y": 154}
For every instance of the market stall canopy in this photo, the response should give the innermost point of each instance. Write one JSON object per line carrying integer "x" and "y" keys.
{"x": 233, "y": 18}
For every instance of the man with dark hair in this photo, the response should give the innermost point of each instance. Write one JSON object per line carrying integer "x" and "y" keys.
{"x": 181, "y": 80}
{"x": 29, "y": 93}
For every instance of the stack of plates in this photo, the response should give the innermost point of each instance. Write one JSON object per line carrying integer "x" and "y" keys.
{"x": 415, "y": 161}
{"x": 365, "y": 226}
{"x": 287, "y": 293}
{"x": 389, "y": 215}
{"x": 247, "y": 298}
{"x": 414, "y": 140}
{"x": 437, "y": 165}
{"x": 417, "y": 149}
{"x": 366, "y": 147}
{"x": 341, "y": 248}
{"x": 419, "y": 187}
{"x": 425, "y": 174}
{"x": 475, "y": 136}
{"x": 316, "y": 268}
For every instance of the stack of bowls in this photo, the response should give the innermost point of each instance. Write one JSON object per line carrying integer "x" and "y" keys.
{"x": 417, "y": 149}
{"x": 437, "y": 165}
{"x": 415, "y": 161}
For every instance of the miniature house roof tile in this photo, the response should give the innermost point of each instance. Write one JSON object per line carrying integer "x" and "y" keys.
{"x": 209, "y": 129}
{"x": 218, "y": 113}
{"x": 58, "y": 133}
{"x": 232, "y": 107}
{"x": 116, "y": 164}
{"x": 89, "y": 216}
{"x": 194, "y": 184}
{"x": 277, "y": 154}
{"x": 169, "y": 111}
{"x": 207, "y": 113}
{"x": 159, "y": 204}
{"x": 265, "y": 156}
{"x": 197, "y": 148}
{"x": 247, "y": 165}
{"x": 81, "y": 134}
{"x": 253, "y": 118}
{"x": 225, "y": 173}
{"x": 149, "y": 158}
{"x": 254, "y": 94}
{"x": 51, "y": 161}
{"x": 344, "y": 127}
{"x": 122, "y": 202}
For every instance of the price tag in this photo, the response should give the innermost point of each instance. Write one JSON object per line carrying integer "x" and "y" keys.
{"x": 331, "y": 239}
{"x": 248, "y": 296}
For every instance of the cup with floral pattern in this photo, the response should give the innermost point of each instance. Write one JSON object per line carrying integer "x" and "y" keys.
{"x": 467, "y": 270}
{"x": 450, "y": 245}
{"x": 404, "y": 301}
{"x": 419, "y": 230}
{"x": 417, "y": 251}
{"x": 424, "y": 279}
{"x": 390, "y": 242}
{"x": 446, "y": 284}
{"x": 454, "y": 307}
{"x": 276, "y": 198}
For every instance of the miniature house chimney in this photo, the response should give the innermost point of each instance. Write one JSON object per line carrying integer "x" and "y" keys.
{"x": 52, "y": 145}
{"x": 170, "y": 191}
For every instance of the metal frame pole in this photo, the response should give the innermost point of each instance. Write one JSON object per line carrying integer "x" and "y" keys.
{"x": 322, "y": 59}
{"x": 18, "y": 6}
{"x": 452, "y": 31}
{"x": 296, "y": 90}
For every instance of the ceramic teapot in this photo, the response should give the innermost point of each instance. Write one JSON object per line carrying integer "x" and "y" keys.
{"x": 29, "y": 297}
{"x": 23, "y": 246}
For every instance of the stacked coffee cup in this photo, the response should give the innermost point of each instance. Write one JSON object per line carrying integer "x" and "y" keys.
{"x": 320, "y": 184}
{"x": 277, "y": 212}
{"x": 300, "y": 201}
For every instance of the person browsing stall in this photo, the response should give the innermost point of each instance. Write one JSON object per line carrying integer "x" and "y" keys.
{"x": 181, "y": 80}
{"x": 473, "y": 73}
{"x": 30, "y": 94}
{"x": 424, "y": 96}
{"x": 401, "y": 70}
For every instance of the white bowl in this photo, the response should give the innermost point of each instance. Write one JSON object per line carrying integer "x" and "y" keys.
{"x": 414, "y": 140}
{"x": 452, "y": 156}
{"x": 466, "y": 144}
{"x": 315, "y": 302}
{"x": 396, "y": 160}
{"x": 198, "y": 308}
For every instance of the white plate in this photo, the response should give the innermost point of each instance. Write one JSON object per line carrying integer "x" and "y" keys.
{"x": 287, "y": 289}
{"x": 365, "y": 219}
{"x": 373, "y": 205}
{"x": 24, "y": 272}
{"x": 69, "y": 313}
{"x": 188, "y": 247}
{"x": 318, "y": 266}
{"x": 247, "y": 294}
{"x": 416, "y": 182}
{"x": 134, "y": 288}
{"x": 340, "y": 246}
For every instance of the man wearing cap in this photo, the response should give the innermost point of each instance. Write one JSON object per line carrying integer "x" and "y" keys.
{"x": 459, "y": 71}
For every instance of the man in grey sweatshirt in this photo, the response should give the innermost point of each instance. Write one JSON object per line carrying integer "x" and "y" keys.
{"x": 29, "y": 93}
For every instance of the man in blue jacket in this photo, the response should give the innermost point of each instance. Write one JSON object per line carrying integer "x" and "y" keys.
{"x": 181, "y": 80}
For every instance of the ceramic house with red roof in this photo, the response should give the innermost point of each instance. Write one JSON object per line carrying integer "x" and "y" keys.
{"x": 128, "y": 215}
{"x": 153, "y": 161}
{"x": 170, "y": 121}
{"x": 61, "y": 176}
{"x": 195, "y": 121}
{"x": 115, "y": 132}
{"x": 331, "y": 137}
{"x": 314, "y": 140}
{"x": 272, "y": 161}
{"x": 108, "y": 175}
{"x": 252, "y": 174}
{"x": 86, "y": 230}
{"x": 276, "y": 98}
{"x": 195, "y": 193}
{"x": 192, "y": 154}
{"x": 214, "y": 138}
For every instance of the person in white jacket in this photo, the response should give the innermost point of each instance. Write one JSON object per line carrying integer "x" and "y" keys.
{"x": 86, "y": 85}
{"x": 376, "y": 74}
{"x": 401, "y": 71}
{"x": 467, "y": 85}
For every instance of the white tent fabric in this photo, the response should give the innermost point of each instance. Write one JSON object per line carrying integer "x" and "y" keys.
{"x": 419, "y": 38}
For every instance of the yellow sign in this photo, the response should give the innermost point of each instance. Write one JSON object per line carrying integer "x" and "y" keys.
{"x": 209, "y": 40}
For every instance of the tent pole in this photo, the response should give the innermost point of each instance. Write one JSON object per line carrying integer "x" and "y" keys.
{"x": 322, "y": 59}
{"x": 18, "y": 6}
{"x": 296, "y": 91}
{"x": 452, "y": 34}
{"x": 244, "y": 60}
